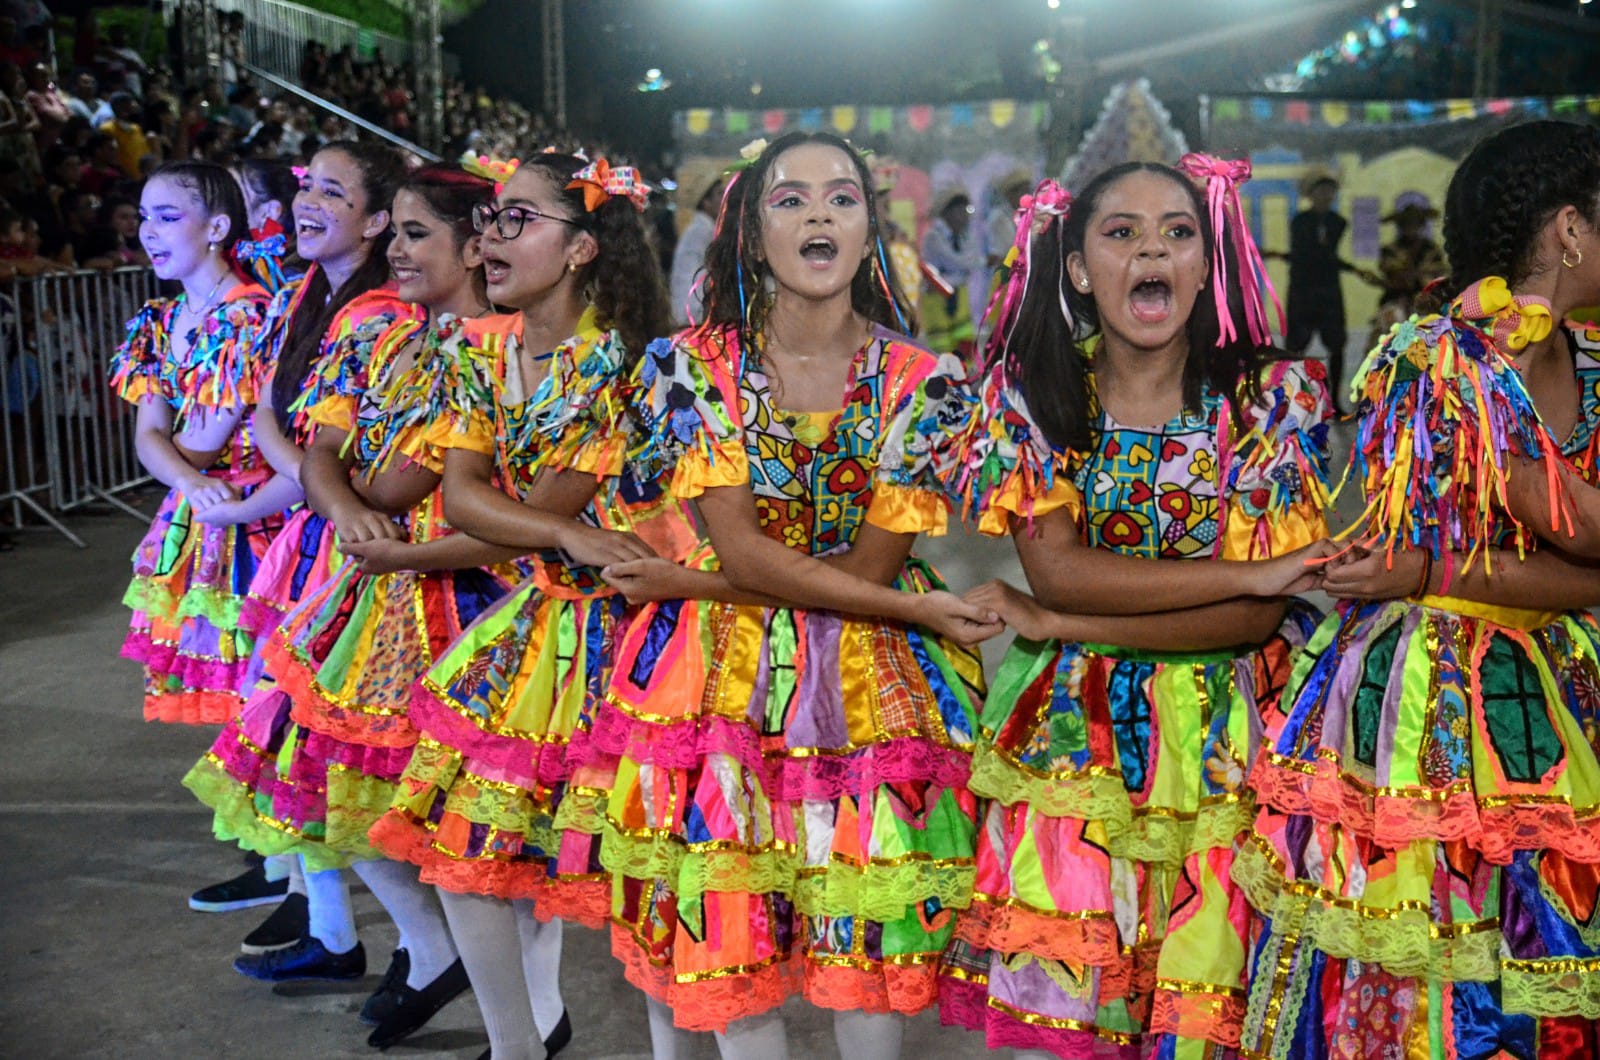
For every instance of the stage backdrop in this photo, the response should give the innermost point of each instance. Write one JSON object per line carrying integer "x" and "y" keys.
{"x": 1384, "y": 153}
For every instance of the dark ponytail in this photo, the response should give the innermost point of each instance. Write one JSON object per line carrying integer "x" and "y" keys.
{"x": 270, "y": 180}
{"x": 625, "y": 275}
{"x": 382, "y": 171}
{"x": 1505, "y": 190}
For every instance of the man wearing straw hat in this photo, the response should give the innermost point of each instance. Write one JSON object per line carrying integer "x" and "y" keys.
{"x": 1413, "y": 260}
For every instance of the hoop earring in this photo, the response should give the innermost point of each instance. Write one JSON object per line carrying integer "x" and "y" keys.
{"x": 1572, "y": 264}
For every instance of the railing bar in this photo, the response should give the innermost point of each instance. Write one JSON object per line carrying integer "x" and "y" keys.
{"x": 334, "y": 108}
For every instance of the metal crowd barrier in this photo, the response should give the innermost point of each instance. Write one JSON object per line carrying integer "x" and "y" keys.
{"x": 69, "y": 442}
{"x": 276, "y": 33}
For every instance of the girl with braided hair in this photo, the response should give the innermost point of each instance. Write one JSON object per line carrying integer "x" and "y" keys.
{"x": 793, "y": 709}
{"x": 1427, "y": 853}
{"x": 1161, "y": 470}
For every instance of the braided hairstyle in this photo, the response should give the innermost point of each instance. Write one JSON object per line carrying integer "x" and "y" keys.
{"x": 736, "y": 274}
{"x": 218, "y": 193}
{"x": 1044, "y": 354}
{"x": 382, "y": 170}
{"x": 625, "y": 275}
{"x": 1506, "y": 190}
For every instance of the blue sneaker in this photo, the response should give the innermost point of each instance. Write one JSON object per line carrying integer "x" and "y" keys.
{"x": 306, "y": 959}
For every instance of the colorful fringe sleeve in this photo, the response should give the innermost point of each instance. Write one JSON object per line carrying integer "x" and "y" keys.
{"x": 927, "y": 410}
{"x": 582, "y": 406}
{"x": 1004, "y": 466}
{"x": 688, "y": 431}
{"x": 340, "y": 375}
{"x": 219, "y": 372}
{"x": 1275, "y": 476}
{"x": 269, "y": 336}
{"x": 407, "y": 415}
{"x": 1442, "y": 414}
{"x": 138, "y": 368}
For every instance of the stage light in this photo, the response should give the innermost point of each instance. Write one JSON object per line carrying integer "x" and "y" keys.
{"x": 1052, "y": 4}
{"x": 1408, "y": 4}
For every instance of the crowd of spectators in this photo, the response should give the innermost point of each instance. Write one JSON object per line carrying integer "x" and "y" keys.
{"x": 80, "y": 127}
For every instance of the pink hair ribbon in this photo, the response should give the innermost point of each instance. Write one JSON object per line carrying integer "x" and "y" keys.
{"x": 1049, "y": 203}
{"x": 600, "y": 182}
{"x": 1221, "y": 179}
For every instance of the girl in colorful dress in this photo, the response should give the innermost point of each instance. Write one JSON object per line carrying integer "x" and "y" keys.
{"x": 489, "y": 807}
{"x": 346, "y": 658}
{"x": 342, "y": 230}
{"x": 790, "y": 813}
{"x": 1428, "y": 851}
{"x": 1162, "y": 474}
{"x": 187, "y": 365}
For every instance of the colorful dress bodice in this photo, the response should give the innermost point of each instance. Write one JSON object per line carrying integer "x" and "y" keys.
{"x": 217, "y": 373}
{"x": 816, "y": 477}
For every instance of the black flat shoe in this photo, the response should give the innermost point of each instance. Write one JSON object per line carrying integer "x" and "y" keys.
{"x": 384, "y": 1000}
{"x": 416, "y": 1007}
{"x": 306, "y": 959}
{"x": 558, "y": 1040}
{"x": 287, "y": 925}
{"x": 250, "y": 887}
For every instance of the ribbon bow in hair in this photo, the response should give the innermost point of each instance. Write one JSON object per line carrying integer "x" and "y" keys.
{"x": 1221, "y": 178}
{"x": 600, "y": 182}
{"x": 497, "y": 170}
{"x": 1050, "y": 202}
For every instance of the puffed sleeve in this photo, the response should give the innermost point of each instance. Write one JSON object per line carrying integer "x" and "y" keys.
{"x": 1004, "y": 466}
{"x": 583, "y": 408}
{"x": 219, "y": 372}
{"x": 340, "y": 376}
{"x": 469, "y": 388}
{"x": 407, "y": 415}
{"x": 1443, "y": 414}
{"x": 136, "y": 367}
{"x": 926, "y": 410}
{"x": 1275, "y": 482}
{"x": 689, "y": 409}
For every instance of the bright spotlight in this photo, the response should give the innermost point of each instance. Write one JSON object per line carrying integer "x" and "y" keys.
{"x": 1052, "y": 4}
{"x": 652, "y": 74}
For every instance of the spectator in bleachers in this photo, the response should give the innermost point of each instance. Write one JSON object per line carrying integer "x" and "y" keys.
{"x": 85, "y": 101}
{"x": 119, "y": 52}
{"x": 80, "y": 212}
{"x": 132, "y": 143}
{"x": 47, "y": 104}
{"x": 100, "y": 172}
{"x": 18, "y": 122}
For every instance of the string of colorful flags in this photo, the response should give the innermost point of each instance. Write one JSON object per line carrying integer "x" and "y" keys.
{"x": 995, "y": 113}
{"x": 1335, "y": 113}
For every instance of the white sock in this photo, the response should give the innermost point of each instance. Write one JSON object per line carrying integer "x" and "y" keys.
{"x": 297, "y": 875}
{"x": 541, "y": 966}
{"x": 667, "y": 1041}
{"x": 869, "y": 1035}
{"x": 755, "y": 1038}
{"x": 333, "y": 919}
{"x": 1032, "y": 1054}
{"x": 485, "y": 931}
{"x": 276, "y": 867}
{"x": 414, "y": 907}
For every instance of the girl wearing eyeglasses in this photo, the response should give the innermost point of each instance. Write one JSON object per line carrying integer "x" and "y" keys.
{"x": 490, "y": 807}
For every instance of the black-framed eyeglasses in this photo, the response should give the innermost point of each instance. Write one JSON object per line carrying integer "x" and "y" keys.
{"x": 508, "y": 220}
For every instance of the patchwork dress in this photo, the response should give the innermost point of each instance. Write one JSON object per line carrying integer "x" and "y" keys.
{"x": 493, "y": 801}
{"x": 189, "y": 578}
{"x": 790, "y": 809}
{"x": 276, "y": 779}
{"x": 1104, "y": 923}
{"x": 1428, "y": 848}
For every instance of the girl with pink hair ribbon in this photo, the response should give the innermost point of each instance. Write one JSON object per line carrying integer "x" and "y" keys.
{"x": 1162, "y": 472}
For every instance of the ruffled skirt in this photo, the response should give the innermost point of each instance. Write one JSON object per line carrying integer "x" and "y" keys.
{"x": 494, "y": 802}
{"x": 790, "y": 809}
{"x": 1104, "y": 921}
{"x": 1428, "y": 849}
{"x": 315, "y": 756}
{"x": 189, "y": 586}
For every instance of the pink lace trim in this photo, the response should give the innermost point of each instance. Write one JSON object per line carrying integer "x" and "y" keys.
{"x": 259, "y": 618}
{"x": 526, "y": 763}
{"x": 1003, "y": 1031}
{"x": 1498, "y": 832}
{"x": 963, "y": 1004}
{"x": 192, "y": 671}
{"x": 821, "y": 777}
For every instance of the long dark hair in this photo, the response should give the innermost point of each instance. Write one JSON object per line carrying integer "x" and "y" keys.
{"x": 736, "y": 273}
{"x": 1044, "y": 354}
{"x": 382, "y": 171}
{"x": 270, "y": 180}
{"x": 218, "y": 193}
{"x": 625, "y": 275}
{"x": 1505, "y": 190}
